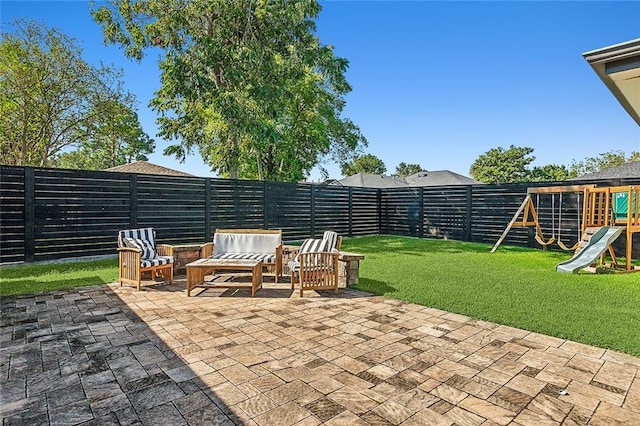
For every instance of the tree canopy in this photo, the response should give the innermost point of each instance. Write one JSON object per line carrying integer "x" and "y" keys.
{"x": 367, "y": 163}
{"x": 604, "y": 161}
{"x": 403, "y": 169}
{"x": 246, "y": 83}
{"x": 499, "y": 165}
{"x": 53, "y": 102}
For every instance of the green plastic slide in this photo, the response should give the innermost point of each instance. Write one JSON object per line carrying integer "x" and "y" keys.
{"x": 597, "y": 245}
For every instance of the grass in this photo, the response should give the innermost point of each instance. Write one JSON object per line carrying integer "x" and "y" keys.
{"x": 514, "y": 286}
{"x": 26, "y": 279}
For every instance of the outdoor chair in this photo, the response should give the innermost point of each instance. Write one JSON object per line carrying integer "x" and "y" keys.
{"x": 314, "y": 267}
{"x": 138, "y": 253}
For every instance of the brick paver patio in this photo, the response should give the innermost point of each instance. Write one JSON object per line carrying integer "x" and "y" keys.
{"x": 111, "y": 355}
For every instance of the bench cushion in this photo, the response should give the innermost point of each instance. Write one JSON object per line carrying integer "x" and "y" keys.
{"x": 245, "y": 243}
{"x": 266, "y": 258}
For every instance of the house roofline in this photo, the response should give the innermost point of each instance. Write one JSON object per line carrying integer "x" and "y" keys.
{"x": 615, "y": 58}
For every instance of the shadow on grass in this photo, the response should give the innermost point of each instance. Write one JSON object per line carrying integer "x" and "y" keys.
{"x": 380, "y": 288}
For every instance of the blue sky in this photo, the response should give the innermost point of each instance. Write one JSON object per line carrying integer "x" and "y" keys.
{"x": 436, "y": 83}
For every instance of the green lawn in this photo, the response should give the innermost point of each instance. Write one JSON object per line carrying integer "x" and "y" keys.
{"x": 25, "y": 279}
{"x": 514, "y": 286}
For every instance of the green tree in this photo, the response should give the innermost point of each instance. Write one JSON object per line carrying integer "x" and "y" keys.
{"x": 116, "y": 139}
{"x": 50, "y": 97}
{"x": 367, "y": 163}
{"x": 604, "y": 161}
{"x": 246, "y": 83}
{"x": 499, "y": 165}
{"x": 550, "y": 172}
{"x": 404, "y": 169}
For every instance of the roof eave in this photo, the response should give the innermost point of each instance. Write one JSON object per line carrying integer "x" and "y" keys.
{"x": 598, "y": 59}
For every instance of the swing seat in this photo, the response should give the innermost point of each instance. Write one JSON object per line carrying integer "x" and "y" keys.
{"x": 563, "y": 246}
{"x": 543, "y": 242}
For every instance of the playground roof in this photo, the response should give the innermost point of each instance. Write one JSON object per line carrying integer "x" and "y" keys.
{"x": 618, "y": 66}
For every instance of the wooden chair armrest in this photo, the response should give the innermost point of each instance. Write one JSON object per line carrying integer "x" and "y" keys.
{"x": 164, "y": 249}
{"x": 206, "y": 250}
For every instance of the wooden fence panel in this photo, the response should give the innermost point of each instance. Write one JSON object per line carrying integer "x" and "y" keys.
{"x": 444, "y": 212}
{"x": 12, "y": 214}
{"x": 77, "y": 213}
{"x": 365, "y": 214}
{"x": 237, "y": 204}
{"x": 331, "y": 210}
{"x": 289, "y": 207}
{"x": 173, "y": 206}
{"x": 400, "y": 211}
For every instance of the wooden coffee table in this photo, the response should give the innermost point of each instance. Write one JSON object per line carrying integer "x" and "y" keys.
{"x": 197, "y": 270}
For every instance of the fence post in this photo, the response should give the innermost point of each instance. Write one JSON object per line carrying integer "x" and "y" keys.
{"x": 469, "y": 212}
{"x": 265, "y": 213}
{"x": 421, "y": 212}
{"x": 350, "y": 211}
{"x": 379, "y": 196}
{"x": 29, "y": 214}
{"x": 207, "y": 210}
{"x": 313, "y": 211}
{"x": 133, "y": 200}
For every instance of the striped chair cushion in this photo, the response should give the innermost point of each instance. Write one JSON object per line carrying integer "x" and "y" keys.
{"x": 312, "y": 244}
{"x": 146, "y": 234}
{"x": 160, "y": 260}
{"x": 266, "y": 258}
{"x": 148, "y": 250}
{"x": 332, "y": 240}
{"x": 308, "y": 246}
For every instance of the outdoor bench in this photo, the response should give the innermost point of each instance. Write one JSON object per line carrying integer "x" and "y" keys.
{"x": 248, "y": 244}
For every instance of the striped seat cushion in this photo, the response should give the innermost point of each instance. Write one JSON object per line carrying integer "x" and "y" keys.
{"x": 294, "y": 265}
{"x": 159, "y": 260}
{"x": 147, "y": 249}
{"x": 266, "y": 258}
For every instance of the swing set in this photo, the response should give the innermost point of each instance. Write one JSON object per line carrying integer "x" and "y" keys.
{"x": 529, "y": 212}
{"x": 613, "y": 208}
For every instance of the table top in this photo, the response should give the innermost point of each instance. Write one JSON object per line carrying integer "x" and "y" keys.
{"x": 249, "y": 263}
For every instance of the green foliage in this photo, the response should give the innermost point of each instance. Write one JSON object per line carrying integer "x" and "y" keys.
{"x": 367, "y": 163}
{"x": 550, "y": 172}
{"x": 117, "y": 139}
{"x": 514, "y": 286}
{"x": 246, "y": 83}
{"x": 404, "y": 169}
{"x": 604, "y": 161}
{"x": 503, "y": 166}
{"x": 53, "y": 101}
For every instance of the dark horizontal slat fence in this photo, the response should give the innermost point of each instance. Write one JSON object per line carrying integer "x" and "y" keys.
{"x": 48, "y": 214}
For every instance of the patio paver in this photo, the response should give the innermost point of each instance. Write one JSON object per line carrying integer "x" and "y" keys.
{"x": 113, "y": 355}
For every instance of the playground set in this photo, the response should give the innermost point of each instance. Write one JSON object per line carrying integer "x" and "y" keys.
{"x": 606, "y": 214}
